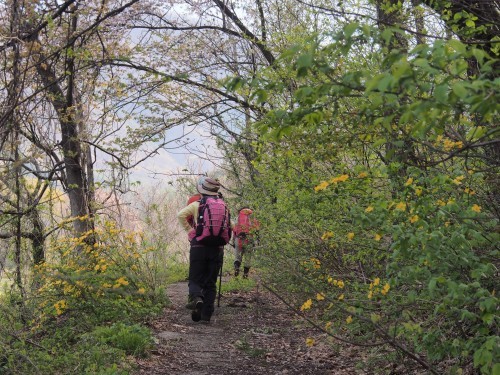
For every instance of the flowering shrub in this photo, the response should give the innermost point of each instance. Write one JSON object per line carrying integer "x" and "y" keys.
{"x": 91, "y": 292}
{"x": 104, "y": 279}
{"x": 378, "y": 197}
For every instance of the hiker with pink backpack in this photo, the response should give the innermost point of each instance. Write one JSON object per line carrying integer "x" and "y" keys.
{"x": 244, "y": 240}
{"x": 208, "y": 234}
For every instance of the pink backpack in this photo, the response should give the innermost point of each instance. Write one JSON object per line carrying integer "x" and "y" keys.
{"x": 214, "y": 222}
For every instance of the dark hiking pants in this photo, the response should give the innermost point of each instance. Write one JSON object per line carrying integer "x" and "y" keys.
{"x": 204, "y": 266}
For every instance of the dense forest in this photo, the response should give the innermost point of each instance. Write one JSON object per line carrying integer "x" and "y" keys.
{"x": 363, "y": 133}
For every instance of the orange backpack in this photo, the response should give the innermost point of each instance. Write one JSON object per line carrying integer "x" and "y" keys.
{"x": 245, "y": 224}
{"x": 192, "y": 199}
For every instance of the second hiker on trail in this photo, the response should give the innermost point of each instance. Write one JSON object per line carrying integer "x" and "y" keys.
{"x": 211, "y": 231}
{"x": 244, "y": 240}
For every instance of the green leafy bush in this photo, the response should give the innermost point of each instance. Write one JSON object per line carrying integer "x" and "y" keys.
{"x": 132, "y": 339}
{"x": 377, "y": 196}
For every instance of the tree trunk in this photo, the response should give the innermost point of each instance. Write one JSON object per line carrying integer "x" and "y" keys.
{"x": 68, "y": 111}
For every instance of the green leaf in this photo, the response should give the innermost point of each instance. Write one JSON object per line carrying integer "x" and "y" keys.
{"x": 432, "y": 284}
{"x": 261, "y": 95}
{"x": 482, "y": 356}
{"x": 479, "y": 55}
{"x": 459, "y": 90}
{"x": 375, "y": 317}
{"x": 402, "y": 69}
{"x": 385, "y": 82}
{"x": 235, "y": 83}
{"x": 305, "y": 61}
{"x": 457, "y": 46}
{"x": 470, "y": 23}
{"x": 476, "y": 133}
{"x": 373, "y": 83}
{"x": 379, "y": 142}
{"x": 350, "y": 29}
{"x": 488, "y": 318}
{"x": 441, "y": 93}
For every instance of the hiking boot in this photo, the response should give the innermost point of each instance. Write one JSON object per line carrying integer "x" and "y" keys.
{"x": 194, "y": 303}
{"x": 236, "y": 268}
{"x": 204, "y": 320}
{"x": 245, "y": 272}
{"x": 196, "y": 315}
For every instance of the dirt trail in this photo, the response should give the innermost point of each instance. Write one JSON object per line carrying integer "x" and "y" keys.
{"x": 250, "y": 333}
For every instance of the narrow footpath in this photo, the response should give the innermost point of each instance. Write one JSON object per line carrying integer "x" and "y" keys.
{"x": 250, "y": 333}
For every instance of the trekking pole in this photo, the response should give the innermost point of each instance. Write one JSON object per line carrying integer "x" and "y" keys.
{"x": 220, "y": 282}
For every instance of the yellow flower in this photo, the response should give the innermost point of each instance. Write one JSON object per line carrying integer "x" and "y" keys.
{"x": 320, "y": 297}
{"x": 309, "y": 341}
{"x": 322, "y": 186}
{"x": 409, "y": 182}
{"x": 328, "y": 325}
{"x": 327, "y": 235}
{"x": 378, "y": 237}
{"x": 340, "y": 284}
{"x": 441, "y": 203}
{"x": 448, "y": 144}
{"x": 307, "y": 305}
{"x": 341, "y": 297}
{"x": 476, "y": 208}
{"x": 350, "y": 236}
{"x": 141, "y": 291}
{"x": 316, "y": 262}
{"x": 60, "y": 306}
{"x": 401, "y": 206}
{"x": 330, "y": 279}
{"x": 418, "y": 192}
{"x": 447, "y": 224}
{"x": 376, "y": 281}
{"x": 369, "y": 209}
{"x": 469, "y": 191}
{"x": 385, "y": 289}
{"x": 458, "y": 180}
{"x": 349, "y": 319}
{"x": 370, "y": 294}
{"x": 122, "y": 281}
{"x": 362, "y": 175}
{"x": 414, "y": 219}
{"x": 341, "y": 178}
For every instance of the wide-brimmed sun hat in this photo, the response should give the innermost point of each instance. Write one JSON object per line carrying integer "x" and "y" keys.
{"x": 208, "y": 186}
